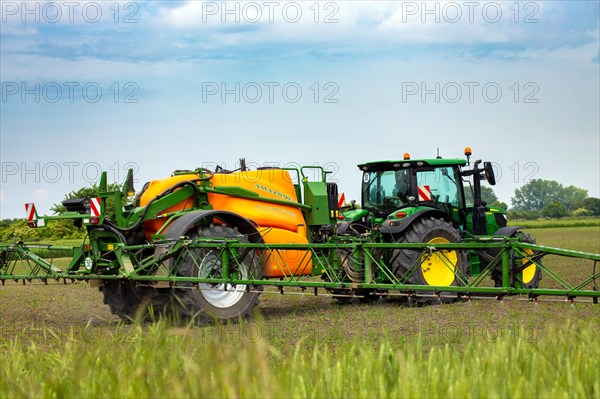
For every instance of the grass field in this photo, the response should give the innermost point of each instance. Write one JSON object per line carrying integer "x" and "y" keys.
{"x": 556, "y": 223}
{"x": 60, "y": 341}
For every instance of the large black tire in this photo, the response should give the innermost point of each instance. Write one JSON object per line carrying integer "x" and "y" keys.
{"x": 530, "y": 276}
{"x": 439, "y": 268}
{"x": 128, "y": 300}
{"x": 205, "y": 303}
{"x": 132, "y": 302}
{"x": 202, "y": 303}
{"x": 120, "y": 298}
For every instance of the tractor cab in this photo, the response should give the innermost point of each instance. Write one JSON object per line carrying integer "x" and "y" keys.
{"x": 390, "y": 186}
{"x": 395, "y": 189}
{"x": 395, "y": 193}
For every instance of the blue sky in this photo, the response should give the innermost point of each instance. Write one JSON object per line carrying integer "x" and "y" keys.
{"x": 516, "y": 81}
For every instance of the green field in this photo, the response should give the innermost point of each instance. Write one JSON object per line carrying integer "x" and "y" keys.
{"x": 60, "y": 341}
{"x": 556, "y": 223}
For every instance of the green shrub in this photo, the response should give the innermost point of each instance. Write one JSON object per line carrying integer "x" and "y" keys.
{"x": 555, "y": 209}
{"x": 582, "y": 212}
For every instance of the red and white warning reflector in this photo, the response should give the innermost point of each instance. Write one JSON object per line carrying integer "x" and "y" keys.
{"x": 94, "y": 210}
{"x": 341, "y": 200}
{"x": 424, "y": 193}
{"x": 30, "y": 210}
{"x": 32, "y": 217}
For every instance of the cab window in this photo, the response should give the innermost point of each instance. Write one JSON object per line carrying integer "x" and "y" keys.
{"x": 386, "y": 189}
{"x": 439, "y": 185}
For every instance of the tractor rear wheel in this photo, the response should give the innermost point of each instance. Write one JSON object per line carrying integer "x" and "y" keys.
{"x": 440, "y": 268}
{"x": 530, "y": 276}
{"x": 223, "y": 302}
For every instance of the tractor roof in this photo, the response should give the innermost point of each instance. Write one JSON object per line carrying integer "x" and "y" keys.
{"x": 405, "y": 163}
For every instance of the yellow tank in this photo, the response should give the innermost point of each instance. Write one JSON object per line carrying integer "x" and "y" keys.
{"x": 277, "y": 223}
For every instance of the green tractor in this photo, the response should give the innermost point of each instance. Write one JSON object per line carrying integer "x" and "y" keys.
{"x": 423, "y": 201}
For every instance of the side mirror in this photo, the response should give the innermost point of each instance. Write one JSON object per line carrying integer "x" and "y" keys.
{"x": 489, "y": 173}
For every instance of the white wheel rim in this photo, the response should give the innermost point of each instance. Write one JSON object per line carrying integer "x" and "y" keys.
{"x": 222, "y": 295}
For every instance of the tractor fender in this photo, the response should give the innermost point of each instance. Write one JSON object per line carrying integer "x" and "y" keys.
{"x": 342, "y": 228}
{"x": 244, "y": 226}
{"x": 397, "y": 226}
{"x": 508, "y": 231}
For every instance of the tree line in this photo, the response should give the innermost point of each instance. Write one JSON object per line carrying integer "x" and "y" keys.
{"x": 548, "y": 198}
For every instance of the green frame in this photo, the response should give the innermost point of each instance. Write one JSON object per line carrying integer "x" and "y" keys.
{"x": 19, "y": 262}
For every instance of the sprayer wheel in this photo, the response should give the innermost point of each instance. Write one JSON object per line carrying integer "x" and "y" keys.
{"x": 131, "y": 302}
{"x": 223, "y": 302}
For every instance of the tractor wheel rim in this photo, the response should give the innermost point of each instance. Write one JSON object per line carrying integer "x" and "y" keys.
{"x": 222, "y": 295}
{"x": 529, "y": 271}
{"x": 438, "y": 267}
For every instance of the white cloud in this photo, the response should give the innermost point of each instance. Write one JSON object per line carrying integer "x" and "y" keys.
{"x": 215, "y": 29}
{"x": 450, "y": 22}
{"x": 188, "y": 15}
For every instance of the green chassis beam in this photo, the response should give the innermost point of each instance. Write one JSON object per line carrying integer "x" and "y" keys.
{"x": 21, "y": 262}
